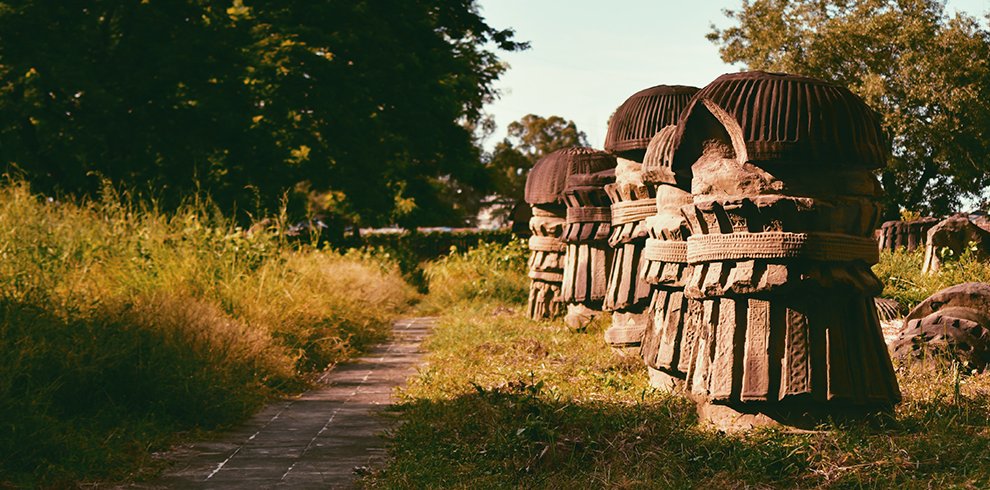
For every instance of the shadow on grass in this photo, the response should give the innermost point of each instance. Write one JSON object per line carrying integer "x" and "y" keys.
{"x": 519, "y": 435}
{"x": 85, "y": 399}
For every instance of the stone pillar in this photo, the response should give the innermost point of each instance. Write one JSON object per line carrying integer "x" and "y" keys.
{"x": 670, "y": 333}
{"x": 784, "y": 206}
{"x": 630, "y": 130}
{"x": 546, "y": 260}
{"x": 628, "y": 294}
{"x": 589, "y": 256}
{"x": 545, "y": 193}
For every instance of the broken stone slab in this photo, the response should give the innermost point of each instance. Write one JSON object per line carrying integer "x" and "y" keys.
{"x": 950, "y": 325}
{"x": 952, "y": 237}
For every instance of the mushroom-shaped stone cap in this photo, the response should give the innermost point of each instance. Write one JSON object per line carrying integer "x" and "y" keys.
{"x": 782, "y": 118}
{"x": 640, "y": 117}
{"x": 596, "y": 180}
{"x": 547, "y": 179}
{"x": 656, "y": 162}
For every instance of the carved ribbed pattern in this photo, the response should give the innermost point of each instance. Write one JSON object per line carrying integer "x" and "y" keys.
{"x": 623, "y": 230}
{"x": 547, "y": 179}
{"x": 644, "y": 114}
{"x": 589, "y": 256}
{"x": 792, "y": 119}
{"x": 657, "y": 162}
{"x": 546, "y": 261}
{"x": 801, "y": 348}
{"x": 908, "y": 235}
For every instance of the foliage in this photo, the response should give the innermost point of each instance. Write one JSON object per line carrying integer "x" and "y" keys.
{"x": 409, "y": 250}
{"x": 488, "y": 271}
{"x": 903, "y": 281}
{"x": 248, "y": 100}
{"x": 928, "y": 75}
{"x": 506, "y": 402}
{"x": 120, "y": 325}
{"x": 528, "y": 140}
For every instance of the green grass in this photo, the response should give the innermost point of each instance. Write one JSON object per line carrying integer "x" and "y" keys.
{"x": 903, "y": 281}
{"x": 505, "y": 402}
{"x": 122, "y": 326}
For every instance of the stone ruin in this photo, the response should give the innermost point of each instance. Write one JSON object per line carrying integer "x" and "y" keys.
{"x": 951, "y": 325}
{"x": 630, "y": 130}
{"x": 784, "y": 207}
{"x": 954, "y": 236}
{"x": 544, "y": 193}
{"x": 908, "y": 235}
{"x": 589, "y": 257}
{"x": 670, "y": 335}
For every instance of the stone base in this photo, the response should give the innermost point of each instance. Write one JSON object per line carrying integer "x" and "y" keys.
{"x": 579, "y": 316}
{"x": 627, "y": 330}
{"x": 663, "y": 381}
{"x": 801, "y": 418}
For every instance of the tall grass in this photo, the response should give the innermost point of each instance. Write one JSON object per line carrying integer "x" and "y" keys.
{"x": 903, "y": 280}
{"x": 490, "y": 271}
{"x": 120, "y": 325}
{"x": 507, "y": 402}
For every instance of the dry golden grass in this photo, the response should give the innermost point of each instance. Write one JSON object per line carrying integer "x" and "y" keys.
{"x": 121, "y": 325}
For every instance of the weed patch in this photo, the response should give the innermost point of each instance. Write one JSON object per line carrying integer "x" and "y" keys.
{"x": 121, "y": 326}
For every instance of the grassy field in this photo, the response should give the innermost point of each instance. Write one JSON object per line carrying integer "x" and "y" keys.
{"x": 123, "y": 328}
{"x": 506, "y": 402}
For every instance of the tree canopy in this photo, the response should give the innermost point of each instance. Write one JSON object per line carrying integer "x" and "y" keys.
{"x": 368, "y": 105}
{"x": 527, "y": 140}
{"x": 928, "y": 74}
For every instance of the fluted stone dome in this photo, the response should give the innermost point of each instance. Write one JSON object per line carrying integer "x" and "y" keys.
{"x": 780, "y": 118}
{"x": 547, "y": 179}
{"x": 656, "y": 162}
{"x": 643, "y": 114}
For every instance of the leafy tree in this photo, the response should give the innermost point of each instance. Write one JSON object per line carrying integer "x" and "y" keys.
{"x": 528, "y": 140}
{"x": 928, "y": 75}
{"x": 367, "y": 101}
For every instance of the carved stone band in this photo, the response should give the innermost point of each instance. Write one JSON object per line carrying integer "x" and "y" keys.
{"x": 589, "y": 214}
{"x": 546, "y": 276}
{"x": 665, "y": 251}
{"x": 632, "y": 211}
{"x": 830, "y": 247}
{"x": 546, "y": 244}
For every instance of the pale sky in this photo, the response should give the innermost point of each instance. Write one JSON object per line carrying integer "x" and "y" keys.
{"x": 588, "y": 56}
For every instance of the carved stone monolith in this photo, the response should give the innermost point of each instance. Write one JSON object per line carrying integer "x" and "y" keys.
{"x": 545, "y": 193}
{"x": 952, "y": 237}
{"x": 950, "y": 325}
{"x": 630, "y": 130}
{"x": 670, "y": 333}
{"x": 784, "y": 207}
{"x": 589, "y": 256}
{"x": 907, "y": 235}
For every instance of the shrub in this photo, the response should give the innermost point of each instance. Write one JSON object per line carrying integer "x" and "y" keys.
{"x": 120, "y": 325}
{"x": 900, "y": 272}
{"x": 490, "y": 271}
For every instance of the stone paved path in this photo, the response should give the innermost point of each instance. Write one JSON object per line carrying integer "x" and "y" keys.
{"x": 314, "y": 441}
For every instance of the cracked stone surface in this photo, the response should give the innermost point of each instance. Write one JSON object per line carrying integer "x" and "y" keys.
{"x": 314, "y": 441}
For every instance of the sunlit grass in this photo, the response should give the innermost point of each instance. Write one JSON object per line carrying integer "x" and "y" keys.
{"x": 121, "y": 325}
{"x": 506, "y": 402}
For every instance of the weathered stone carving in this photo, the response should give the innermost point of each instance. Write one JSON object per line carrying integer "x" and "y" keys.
{"x": 630, "y": 130}
{"x": 952, "y": 324}
{"x": 954, "y": 235}
{"x": 782, "y": 219}
{"x": 908, "y": 235}
{"x": 589, "y": 257}
{"x": 544, "y": 192}
{"x": 670, "y": 335}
